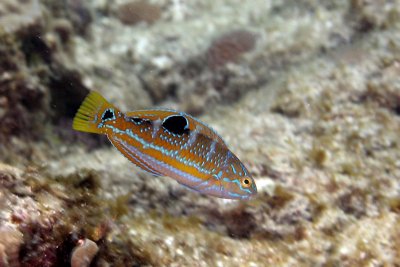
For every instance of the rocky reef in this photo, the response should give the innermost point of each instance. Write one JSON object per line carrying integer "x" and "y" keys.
{"x": 306, "y": 93}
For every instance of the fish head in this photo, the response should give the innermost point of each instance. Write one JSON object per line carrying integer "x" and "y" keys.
{"x": 236, "y": 182}
{"x": 241, "y": 187}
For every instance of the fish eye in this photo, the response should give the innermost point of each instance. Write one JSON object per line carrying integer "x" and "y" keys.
{"x": 246, "y": 182}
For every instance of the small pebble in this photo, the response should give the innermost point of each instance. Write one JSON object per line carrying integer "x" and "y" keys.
{"x": 84, "y": 253}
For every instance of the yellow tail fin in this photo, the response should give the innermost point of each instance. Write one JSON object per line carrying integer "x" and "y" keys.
{"x": 89, "y": 114}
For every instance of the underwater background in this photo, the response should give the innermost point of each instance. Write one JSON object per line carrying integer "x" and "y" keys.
{"x": 306, "y": 93}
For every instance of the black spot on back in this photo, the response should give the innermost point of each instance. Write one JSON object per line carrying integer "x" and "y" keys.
{"x": 176, "y": 124}
{"x": 108, "y": 114}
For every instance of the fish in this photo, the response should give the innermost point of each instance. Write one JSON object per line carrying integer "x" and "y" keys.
{"x": 170, "y": 143}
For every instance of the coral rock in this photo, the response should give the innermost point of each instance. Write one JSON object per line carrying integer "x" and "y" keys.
{"x": 15, "y": 15}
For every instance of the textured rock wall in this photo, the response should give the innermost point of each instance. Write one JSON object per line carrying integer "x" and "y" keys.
{"x": 306, "y": 93}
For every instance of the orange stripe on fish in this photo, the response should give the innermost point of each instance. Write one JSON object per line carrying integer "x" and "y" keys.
{"x": 170, "y": 143}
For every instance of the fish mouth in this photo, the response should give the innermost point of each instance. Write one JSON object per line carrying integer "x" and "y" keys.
{"x": 254, "y": 190}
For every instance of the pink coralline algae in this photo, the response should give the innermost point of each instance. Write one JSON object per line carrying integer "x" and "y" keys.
{"x": 229, "y": 47}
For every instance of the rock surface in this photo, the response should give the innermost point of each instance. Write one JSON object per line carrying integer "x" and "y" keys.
{"x": 311, "y": 105}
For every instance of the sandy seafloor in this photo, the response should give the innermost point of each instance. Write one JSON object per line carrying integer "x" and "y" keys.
{"x": 306, "y": 93}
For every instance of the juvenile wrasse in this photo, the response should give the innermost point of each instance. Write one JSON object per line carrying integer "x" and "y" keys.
{"x": 169, "y": 143}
